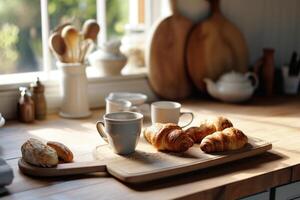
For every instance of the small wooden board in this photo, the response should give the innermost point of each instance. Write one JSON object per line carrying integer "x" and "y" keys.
{"x": 65, "y": 169}
{"x": 148, "y": 164}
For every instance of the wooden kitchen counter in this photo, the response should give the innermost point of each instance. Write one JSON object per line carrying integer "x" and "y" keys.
{"x": 275, "y": 119}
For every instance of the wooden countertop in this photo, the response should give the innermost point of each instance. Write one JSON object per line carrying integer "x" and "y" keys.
{"x": 275, "y": 119}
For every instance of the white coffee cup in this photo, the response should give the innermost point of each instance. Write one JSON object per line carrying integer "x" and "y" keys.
{"x": 168, "y": 112}
{"x": 125, "y": 101}
{"x": 121, "y": 130}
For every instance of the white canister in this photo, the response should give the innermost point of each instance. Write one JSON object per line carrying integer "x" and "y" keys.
{"x": 74, "y": 90}
{"x": 2, "y": 121}
{"x": 290, "y": 83}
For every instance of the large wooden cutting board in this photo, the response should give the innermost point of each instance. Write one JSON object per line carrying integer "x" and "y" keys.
{"x": 148, "y": 164}
{"x": 215, "y": 46}
{"x": 165, "y": 56}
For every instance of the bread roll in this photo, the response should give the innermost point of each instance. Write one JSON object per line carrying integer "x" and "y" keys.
{"x": 36, "y": 153}
{"x": 63, "y": 152}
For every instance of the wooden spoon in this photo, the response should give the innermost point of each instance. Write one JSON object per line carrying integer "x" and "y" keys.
{"x": 90, "y": 29}
{"x": 71, "y": 37}
{"x": 58, "y": 46}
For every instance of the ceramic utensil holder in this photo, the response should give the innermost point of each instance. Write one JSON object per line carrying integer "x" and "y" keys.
{"x": 74, "y": 87}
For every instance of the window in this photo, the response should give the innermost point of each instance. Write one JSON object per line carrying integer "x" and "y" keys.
{"x": 25, "y": 27}
{"x": 20, "y": 36}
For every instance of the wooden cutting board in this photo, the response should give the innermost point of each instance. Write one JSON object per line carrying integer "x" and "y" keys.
{"x": 165, "y": 56}
{"x": 215, "y": 46}
{"x": 147, "y": 163}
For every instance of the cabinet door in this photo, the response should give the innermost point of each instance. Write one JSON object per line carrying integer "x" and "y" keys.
{"x": 259, "y": 196}
{"x": 288, "y": 192}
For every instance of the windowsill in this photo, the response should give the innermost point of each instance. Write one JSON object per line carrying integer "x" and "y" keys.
{"x": 14, "y": 81}
{"x": 98, "y": 89}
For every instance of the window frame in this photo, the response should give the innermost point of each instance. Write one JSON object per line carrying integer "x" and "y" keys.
{"x": 9, "y": 94}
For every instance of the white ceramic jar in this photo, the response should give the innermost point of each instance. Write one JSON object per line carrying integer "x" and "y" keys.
{"x": 2, "y": 121}
{"x": 74, "y": 87}
{"x": 108, "y": 60}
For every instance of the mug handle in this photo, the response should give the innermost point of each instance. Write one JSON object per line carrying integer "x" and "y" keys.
{"x": 187, "y": 113}
{"x": 100, "y": 129}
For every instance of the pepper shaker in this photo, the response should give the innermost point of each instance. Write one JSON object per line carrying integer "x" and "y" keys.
{"x": 25, "y": 106}
{"x": 40, "y": 105}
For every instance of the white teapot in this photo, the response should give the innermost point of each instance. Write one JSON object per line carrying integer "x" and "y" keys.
{"x": 233, "y": 87}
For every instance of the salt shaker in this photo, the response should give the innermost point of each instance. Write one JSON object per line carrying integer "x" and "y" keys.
{"x": 25, "y": 106}
{"x": 40, "y": 105}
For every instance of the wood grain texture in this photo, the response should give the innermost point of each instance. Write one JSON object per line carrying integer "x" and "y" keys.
{"x": 271, "y": 119}
{"x": 215, "y": 46}
{"x": 65, "y": 169}
{"x": 296, "y": 173}
{"x": 166, "y": 57}
{"x": 148, "y": 164}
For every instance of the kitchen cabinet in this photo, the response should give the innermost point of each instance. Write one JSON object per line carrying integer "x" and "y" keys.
{"x": 259, "y": 196}
{"x": 288, "y": 192}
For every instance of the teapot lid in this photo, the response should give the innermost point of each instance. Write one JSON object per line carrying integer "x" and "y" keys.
{"x": 233, "y": 76}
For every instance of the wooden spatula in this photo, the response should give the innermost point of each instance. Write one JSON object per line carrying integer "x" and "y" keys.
{"x": 165, "y": 56}
{"x": 214, "y": 47}
{"x": 62, "y": 169}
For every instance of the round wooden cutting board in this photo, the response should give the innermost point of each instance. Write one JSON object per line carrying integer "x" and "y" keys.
{"x": 166, "y": 56}
{"x": 215, "y": 46}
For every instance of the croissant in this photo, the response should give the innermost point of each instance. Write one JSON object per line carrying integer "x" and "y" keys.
{"x": 208, "y": 127}
{"x": 168, "y": 137}
{"x": 228, "y": 139}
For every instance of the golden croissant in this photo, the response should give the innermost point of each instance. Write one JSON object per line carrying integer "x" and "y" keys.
{"x": 168, "y": 137}
{"x": 208, "y": 127}
{"x": 228, "y": 139}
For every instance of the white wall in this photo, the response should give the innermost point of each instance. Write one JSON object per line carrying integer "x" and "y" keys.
{"x": 265, "y": 23}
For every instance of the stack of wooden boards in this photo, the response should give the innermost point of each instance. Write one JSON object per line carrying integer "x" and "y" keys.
{"x": 181, "y": 54}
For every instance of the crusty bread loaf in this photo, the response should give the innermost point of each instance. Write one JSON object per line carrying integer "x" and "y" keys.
{"x": 36, "y": 153}
{"x": 63, "y": 152}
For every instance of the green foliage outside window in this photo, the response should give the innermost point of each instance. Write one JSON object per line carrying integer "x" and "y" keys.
{"x": 20, "y": 27}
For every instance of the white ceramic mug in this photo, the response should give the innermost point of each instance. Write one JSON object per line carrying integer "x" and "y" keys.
{"x": 168, "y": 112}
{"x": 121, "y": 130}
{"x": 117, "y": 105}
{"x": 126, "y": 101}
